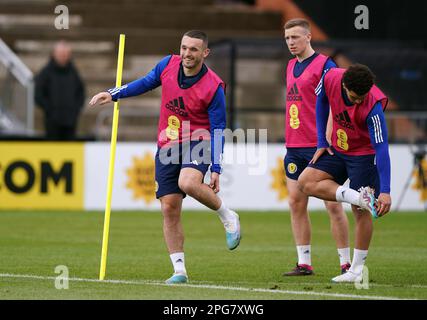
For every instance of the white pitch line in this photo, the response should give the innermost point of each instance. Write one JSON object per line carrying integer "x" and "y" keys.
{"x": 200, "y": 286}
{"x": 397, "y": 286}
{"x": 373, "y": 285}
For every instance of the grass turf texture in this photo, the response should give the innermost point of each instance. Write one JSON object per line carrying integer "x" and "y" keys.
{"x": 34, "y": 243}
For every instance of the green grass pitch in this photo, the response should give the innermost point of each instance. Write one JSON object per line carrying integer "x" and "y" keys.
{"x": 32, "y": 244}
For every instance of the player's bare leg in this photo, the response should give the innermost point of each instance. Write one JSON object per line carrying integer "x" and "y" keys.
{"x": 191, "y": 182}
{"x": 364, "y": 228}
{"x": 363, "y": 236}
{"x": 339, "y": 223}
{"x": 301, "y": 228}
{"x": 300, "y": 220}
{"x": 171, "y": 206}
{"x": 173, "y": 233}
{"x": 339, "y": 229}
{"x": 318, "y": 183}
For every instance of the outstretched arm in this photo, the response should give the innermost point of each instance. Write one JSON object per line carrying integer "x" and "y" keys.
{"x": 149, "y": 82}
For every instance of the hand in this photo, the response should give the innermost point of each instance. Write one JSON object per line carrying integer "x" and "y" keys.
{"x": 318, "y": 153}
{"x": 214, "y": 185}
{"x": 384, "y": 204}
{"x": 102, "y": 98}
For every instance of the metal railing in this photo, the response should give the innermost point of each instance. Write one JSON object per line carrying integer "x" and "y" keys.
{"x": 399, "y": 71}
{"x": 135, "y": 124}
{"x": 140, "y": 124}
{"x": 408, "y": 127}
{"x": 23, "y": 75}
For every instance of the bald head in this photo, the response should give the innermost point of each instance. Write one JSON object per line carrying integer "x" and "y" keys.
{"x": 62, "y": 53}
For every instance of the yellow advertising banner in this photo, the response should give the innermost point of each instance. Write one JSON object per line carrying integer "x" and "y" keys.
{"x": 41, "y": 175}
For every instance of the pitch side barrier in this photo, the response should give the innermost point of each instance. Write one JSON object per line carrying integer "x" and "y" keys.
{"x": 73, "y": 176}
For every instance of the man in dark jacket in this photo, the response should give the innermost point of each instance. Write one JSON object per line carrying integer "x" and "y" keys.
{"x": 60, "y": 93}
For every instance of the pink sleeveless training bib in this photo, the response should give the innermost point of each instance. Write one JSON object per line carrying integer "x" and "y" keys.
{"x": 301, "y": 103}
{"x": 350, "y": 134}
{"x": 184, "y": 112}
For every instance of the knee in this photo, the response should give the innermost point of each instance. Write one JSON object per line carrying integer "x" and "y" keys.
{"x": 338, "y": 217}
{"x": 171, "y": 211}
{"x": 187, "y": 185}
{"x": 297, "y": 203}
{"x": 361, "y": 216}
{"x": 336, "y": 210}
{"x": 305, "y": 185}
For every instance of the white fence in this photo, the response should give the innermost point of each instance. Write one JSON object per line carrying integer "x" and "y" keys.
{"x": 257, "y": 183}
{"x": 40, "y": 175}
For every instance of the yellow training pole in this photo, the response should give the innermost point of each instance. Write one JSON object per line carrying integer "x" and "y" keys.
{"x": 112, "y": 157}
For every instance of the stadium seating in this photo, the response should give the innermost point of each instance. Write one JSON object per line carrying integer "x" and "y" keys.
{"x": 153, "y": 29}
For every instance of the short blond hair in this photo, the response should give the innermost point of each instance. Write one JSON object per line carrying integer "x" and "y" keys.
{"x": 298, "y": 22}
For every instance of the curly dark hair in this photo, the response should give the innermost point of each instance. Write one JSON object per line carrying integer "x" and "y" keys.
{"x": 359, "y": 79}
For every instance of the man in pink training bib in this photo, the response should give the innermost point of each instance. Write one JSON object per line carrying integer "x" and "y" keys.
{"x": 302, "y": 76}
{"x": 359, "y": 152}
{"x": 190, "y": 139}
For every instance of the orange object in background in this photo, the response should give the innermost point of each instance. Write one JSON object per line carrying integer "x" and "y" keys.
{"x": 290, "y": 11}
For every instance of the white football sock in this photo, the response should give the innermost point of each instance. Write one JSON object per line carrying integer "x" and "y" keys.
{"x": 178, "y": 262}
{"x": 304, "y": 254}
{"x": 344, "y": 254}
{"x": 345, "y": 194}
{"x": 359, "y": 257}
{"x": 224, "y": 213}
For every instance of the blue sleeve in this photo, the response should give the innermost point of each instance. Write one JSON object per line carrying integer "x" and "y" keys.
{"x": 322, "y": 114}
{"x": 141, "y": 85}
{"x": 329, "y": 64}
{"x": 217, "y": 120}
{"x": 379, "y": 139}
